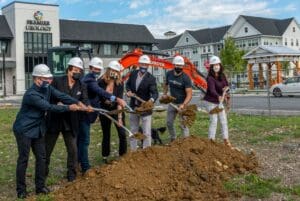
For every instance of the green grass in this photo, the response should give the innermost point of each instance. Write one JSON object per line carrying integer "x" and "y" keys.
{"x": 256, "y": 187}
{"x": 251, "y": 130}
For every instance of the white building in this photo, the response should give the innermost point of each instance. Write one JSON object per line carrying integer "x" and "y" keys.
{"x": 27, "y": 30}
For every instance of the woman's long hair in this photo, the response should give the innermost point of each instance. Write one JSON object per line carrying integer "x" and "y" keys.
{"x": 212, "y": 73}
{"x": 106, "y": 77}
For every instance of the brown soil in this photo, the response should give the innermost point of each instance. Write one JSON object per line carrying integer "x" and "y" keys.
{"x": 188, "y": 169}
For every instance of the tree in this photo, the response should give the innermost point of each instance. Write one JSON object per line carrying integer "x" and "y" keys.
{"x": 231, "y": 56}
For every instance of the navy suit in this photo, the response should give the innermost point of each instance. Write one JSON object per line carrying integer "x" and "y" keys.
{"x": 29, "y": 129}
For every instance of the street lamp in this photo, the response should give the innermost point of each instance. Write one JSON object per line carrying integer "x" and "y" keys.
{"x": 3, "y": 50}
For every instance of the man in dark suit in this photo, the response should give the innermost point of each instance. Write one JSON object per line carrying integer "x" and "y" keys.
{"x": 142, "y": 84}
{"x": 30, "y": 127}
{"x": 67, "y": 123}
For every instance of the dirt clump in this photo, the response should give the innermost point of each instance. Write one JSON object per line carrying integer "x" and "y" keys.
{"x": 188, "y": 169}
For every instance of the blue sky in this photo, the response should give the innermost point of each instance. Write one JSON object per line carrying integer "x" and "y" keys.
{"x": 175, "y": 15}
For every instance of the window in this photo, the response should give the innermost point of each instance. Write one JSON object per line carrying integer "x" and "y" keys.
{"x": 125, "y": 48}
{"x": 294, "y": 29}
{"x": 187, "y": 39}
{"x": 292, "y": 42}
{"x": 285, "y": 41}
{"x": 66, "y": 44}
{"x": 195, "y": 51}
{"x": 37, "y": 42}
{"x": 196, "y": 63}
{"x": 208, "y": 49}
{"x": 87, "y": 45}
{"x": 297, "y": 42}
{"x": 219, "y": 47}
{"x": 246, "y": 29}
{"x": 204, "y": 49}
{"x": 107, "y": 49}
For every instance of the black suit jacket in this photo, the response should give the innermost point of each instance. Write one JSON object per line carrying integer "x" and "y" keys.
{"x": 67, "y": 121}
{"x": 146, "y": 90}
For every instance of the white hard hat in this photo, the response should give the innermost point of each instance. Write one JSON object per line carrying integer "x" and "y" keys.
{"x": 115, "y": 65}
{"x": 76, "y": 62}
{"x": 41, "y": 70}
{"x": 96, "y": 62}
{"x": 144, "y": 59}
{"x": 214, "y": 60}
{"x": 178, "y": 60}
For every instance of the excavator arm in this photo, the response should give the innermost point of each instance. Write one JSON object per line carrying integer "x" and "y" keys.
{"x": 131, "y": 60}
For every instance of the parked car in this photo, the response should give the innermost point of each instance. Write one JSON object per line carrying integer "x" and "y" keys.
{"x": 290, "y": 87}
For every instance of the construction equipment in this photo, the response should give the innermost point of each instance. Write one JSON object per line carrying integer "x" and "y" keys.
{"x": 220, "y": 107}
{"x": 58, "y": 58}
{"x": 158, "y": 60}
{"x": 138, "y": 135}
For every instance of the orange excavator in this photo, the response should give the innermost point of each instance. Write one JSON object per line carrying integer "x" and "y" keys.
{"x": 58, "y": 58}
{"x": 163, "y": 61}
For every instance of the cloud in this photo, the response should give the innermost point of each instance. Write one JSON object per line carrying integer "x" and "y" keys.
{"x": 95, "y": 13}
{"x": 181, "y": 15}
{"x": 134, "y": 4}
{"x": 290, "y": 7}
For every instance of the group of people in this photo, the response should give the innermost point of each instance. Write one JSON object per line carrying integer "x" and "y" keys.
{"x": 67, "y": 105}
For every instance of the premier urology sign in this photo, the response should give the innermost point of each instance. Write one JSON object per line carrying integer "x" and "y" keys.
{"x": 38, "y": 24}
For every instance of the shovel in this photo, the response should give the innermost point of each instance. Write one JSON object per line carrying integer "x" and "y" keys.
{"x": 220, "y": 107}
{"x": 138, "y": 135}
{"x": 145, "y": 107}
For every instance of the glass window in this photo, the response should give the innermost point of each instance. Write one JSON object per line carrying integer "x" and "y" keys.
{"x": 187, "y": 39}
{"x": 246, "y": 29}
{"x": 125, "y": 48}
{"x": 107, "y": 49}
{"x": 294, "y": 29}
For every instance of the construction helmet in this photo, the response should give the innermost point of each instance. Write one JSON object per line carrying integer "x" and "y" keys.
{"x": 96, "y": 62}
{"x": 214, "y": 60}
{"x": 41, "y": 70}
{"x": 115, "y": 65}
{"x": 144, "y": 59}
{"x": 178, "y": 60}
{"x": 76, "y": 62}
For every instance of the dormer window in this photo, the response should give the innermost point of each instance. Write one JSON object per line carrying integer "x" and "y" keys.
{"x": 246, "y": 29}
{"x": 187, "y": 39}
{"x": 294, "y": 29}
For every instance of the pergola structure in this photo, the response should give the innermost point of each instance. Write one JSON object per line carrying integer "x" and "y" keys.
{"x": 270, "y": 55}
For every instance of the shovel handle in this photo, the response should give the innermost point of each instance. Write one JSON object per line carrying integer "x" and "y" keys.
{"x": 115, "y": 121}
{"x": 138, "y": 98}
{"x": 174, "y": 106}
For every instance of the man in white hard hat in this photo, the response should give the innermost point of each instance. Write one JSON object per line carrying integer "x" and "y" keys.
{"x": 30, "y": 126}
{"x": 67, "y": 123}
{"x": 181, "y": 88}
{"x": 142, "y": 84}
{"x": 95, "y": 92}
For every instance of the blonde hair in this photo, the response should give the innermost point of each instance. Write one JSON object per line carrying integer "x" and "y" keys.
{"x": 106, "y": 76}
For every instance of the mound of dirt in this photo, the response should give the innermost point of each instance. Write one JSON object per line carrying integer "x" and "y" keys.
{"x": 188, "y": 169}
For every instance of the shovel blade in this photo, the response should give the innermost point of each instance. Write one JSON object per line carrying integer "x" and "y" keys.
{"x": 139, "y": 136}
{"x": 216, "y": 110}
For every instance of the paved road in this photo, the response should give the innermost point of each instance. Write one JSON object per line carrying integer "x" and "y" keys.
{"x": 258, "y": 104}
{"x": 249, "y": 104}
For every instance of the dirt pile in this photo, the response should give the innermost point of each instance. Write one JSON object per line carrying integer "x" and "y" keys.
{"x": 188, "y": 169}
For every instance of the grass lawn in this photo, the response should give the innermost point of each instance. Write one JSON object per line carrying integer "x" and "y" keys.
{"x": 244, "y": 130}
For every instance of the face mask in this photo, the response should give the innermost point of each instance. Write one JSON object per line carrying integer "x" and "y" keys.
{"x": 216, "y": 68}
{"x": 143, "y": 69}
{"x": 178, "y": 70}
{"x": 113, "y": 75}
{"x": 76, "y": 76}
{"x": 97, "y": 74}
{"x": 45, "y": 84}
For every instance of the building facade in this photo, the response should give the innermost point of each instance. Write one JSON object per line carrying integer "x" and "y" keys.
{"x": 28, "y": 30}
